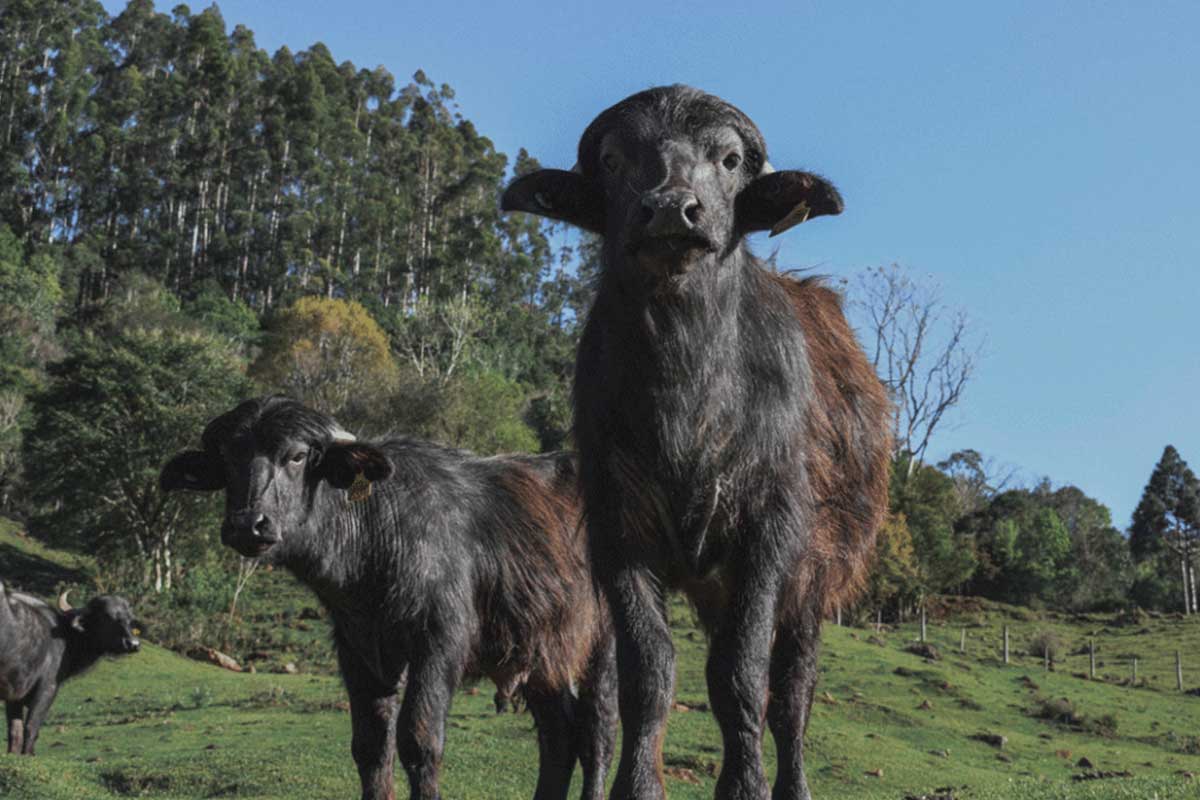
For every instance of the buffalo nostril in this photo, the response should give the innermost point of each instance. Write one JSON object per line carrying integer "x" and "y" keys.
{"x": 262, "y": 525}
{"x": 691, "y": 210}
{"x": 647, "y": 213}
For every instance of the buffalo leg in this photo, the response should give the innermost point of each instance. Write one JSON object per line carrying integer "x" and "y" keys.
{"x": 737, "y": 672}
{"x": 16, "y": 725}
{"x": 793, "y": 676}
{"x": 596, "y": 721}
{"x": 373, "y": 710}
{"x": 646, "y": 665}
{"x": 556, "y": 755}
{"x": 422, "y": 731}
{"x": 38, "y": 704}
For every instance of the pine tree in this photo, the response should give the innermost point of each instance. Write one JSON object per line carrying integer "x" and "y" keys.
{"x": 1167, "y": 520}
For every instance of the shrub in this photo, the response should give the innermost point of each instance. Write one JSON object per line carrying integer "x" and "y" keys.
{"x": 1047, "y": 643}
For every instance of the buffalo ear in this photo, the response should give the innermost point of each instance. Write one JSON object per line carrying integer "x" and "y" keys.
{"x": 194, "y": 470}
{"x": 777, "y": 201}
{"x": 558, "y": 194}
{"x": 343, "y": 462}
{"x": 74, "y": 619}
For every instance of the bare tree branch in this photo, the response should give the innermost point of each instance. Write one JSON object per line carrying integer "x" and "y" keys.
{"x": 924, "y": 352}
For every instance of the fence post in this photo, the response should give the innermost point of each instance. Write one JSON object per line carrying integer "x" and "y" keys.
{"x": 839, "y": 615}
{"x": 1046, "y": 658}
{"x": 878, "y": 620}
{"x": 1092, "y": 659}
{"x": 1005, "y": 644}
{"x": 962, "y": 641}
{"x": 922, "y": 624}
{"x": 1134, "y": 672}
{"x": 1178, "y": 670}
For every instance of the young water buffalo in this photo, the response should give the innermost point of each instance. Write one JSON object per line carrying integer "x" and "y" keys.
{"x": 733, "y": 438}
{"x": 40, "y": 648}
{"x": 430, "y": 560}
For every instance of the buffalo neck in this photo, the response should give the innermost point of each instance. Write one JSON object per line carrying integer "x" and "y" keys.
{"x": 80, "y": 654}
{"x": 698, "y": 365}
{"x": 333, "y": 545}
{"x": 678, "y": 329}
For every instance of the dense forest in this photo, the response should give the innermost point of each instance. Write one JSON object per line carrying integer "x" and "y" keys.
{"x": 186, "y": 220}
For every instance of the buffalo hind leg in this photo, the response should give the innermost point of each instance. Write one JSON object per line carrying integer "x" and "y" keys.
{"x": 737, "y": 673}
{"x": 38, "y": 704}
{"x": 373, "y": 711}
{"x": 596, "y": 721}
{"x": 556, "y": 755}
{"x": 646, "y": 665}
{"x": 16, "y": 725}
{"x": 793, "y": 678}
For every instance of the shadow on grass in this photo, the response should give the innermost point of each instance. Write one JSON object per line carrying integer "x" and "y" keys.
{"x": 34, "y": 574}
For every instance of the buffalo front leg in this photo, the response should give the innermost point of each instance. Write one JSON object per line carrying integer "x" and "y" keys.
{"x": 793, "y": 678}
{"x": 737, "y": 673}
{"x": 556, "y": 755}
{"x": 596, "y": 720}
{"x": 646, "y": 669}
{"x": 373, "y": 711}
{"x": 16, "y": 725}
{"x": 421, "y": 736}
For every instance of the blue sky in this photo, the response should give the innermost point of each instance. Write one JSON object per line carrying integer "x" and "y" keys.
{"x": 1039, "y": 161}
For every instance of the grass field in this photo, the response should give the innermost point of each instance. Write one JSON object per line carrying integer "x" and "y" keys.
{"x": 887, "y": 723}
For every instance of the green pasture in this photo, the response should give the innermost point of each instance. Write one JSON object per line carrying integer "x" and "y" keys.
{"x": 887, "y": 723}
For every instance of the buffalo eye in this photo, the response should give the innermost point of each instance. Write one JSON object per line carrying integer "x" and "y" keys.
{"x": 297, "y": 457}
{"x": 732, "y": 161}
{"x": 610, "y": 161}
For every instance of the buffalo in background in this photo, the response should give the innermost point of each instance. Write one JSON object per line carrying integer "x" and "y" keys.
{"x": 41, "y": 647}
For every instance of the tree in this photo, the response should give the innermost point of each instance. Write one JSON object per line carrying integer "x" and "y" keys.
{"x": 928, "y": 501}
{"x": 328, "y": 354}
{"x": 113, "y": 408}
{"x": 1100, "y": 560}
{"x": 483, "y": 412}
{"x": 1167, "y": 521}
{"x": 895, "y": 577}
{"x": 976, "y": 479}
{"x": 924, "y": 352}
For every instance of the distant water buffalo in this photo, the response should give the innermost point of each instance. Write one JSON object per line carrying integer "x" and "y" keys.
{"x": 733, "y": 438}
{"x": 41, "y": 647}
{"x": 432, "y": 560}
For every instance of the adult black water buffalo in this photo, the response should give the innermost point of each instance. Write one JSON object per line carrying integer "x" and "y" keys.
{"x": 431, "y": 560}
{"x": 41, "y": 647}
{"x": 733, "y": 437}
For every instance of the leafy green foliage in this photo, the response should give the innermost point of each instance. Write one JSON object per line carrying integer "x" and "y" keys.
{"x": 113, "y": 410}
{"x": 329, "y": 354}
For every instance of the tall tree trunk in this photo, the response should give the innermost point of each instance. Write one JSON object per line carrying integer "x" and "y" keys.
{"x": 1187, "y": 599}
{"x": 1192, "y": 582}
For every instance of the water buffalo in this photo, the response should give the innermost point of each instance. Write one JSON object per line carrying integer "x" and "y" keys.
{"x": 428, "y": 559}
{"x": 41, "y": 647}
{"x": 733, "y": 438}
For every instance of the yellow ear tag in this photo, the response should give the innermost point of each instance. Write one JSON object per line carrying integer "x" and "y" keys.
{"x": 797, "y": 216}
{"x": 359, "y": 490}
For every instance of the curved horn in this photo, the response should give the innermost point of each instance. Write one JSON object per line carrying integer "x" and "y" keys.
{"x": 767, "y": 169}
{"x": 340, "y": 434}
{"x": 63, "y": 605}
{"x": 578, "y": 170}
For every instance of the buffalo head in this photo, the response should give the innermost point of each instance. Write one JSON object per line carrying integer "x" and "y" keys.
{"x": 270, "y": 455}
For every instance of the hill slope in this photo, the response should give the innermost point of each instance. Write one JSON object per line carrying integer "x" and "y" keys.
{"x": 887, "y": 723}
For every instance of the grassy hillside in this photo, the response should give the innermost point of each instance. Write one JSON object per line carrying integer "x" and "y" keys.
{"x": 887, "y": 724}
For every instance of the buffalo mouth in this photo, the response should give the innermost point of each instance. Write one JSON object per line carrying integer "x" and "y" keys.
{"x": 250, "y": 546}
{"x": 670, "y": 255}
{"x": 256, "y": 548}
